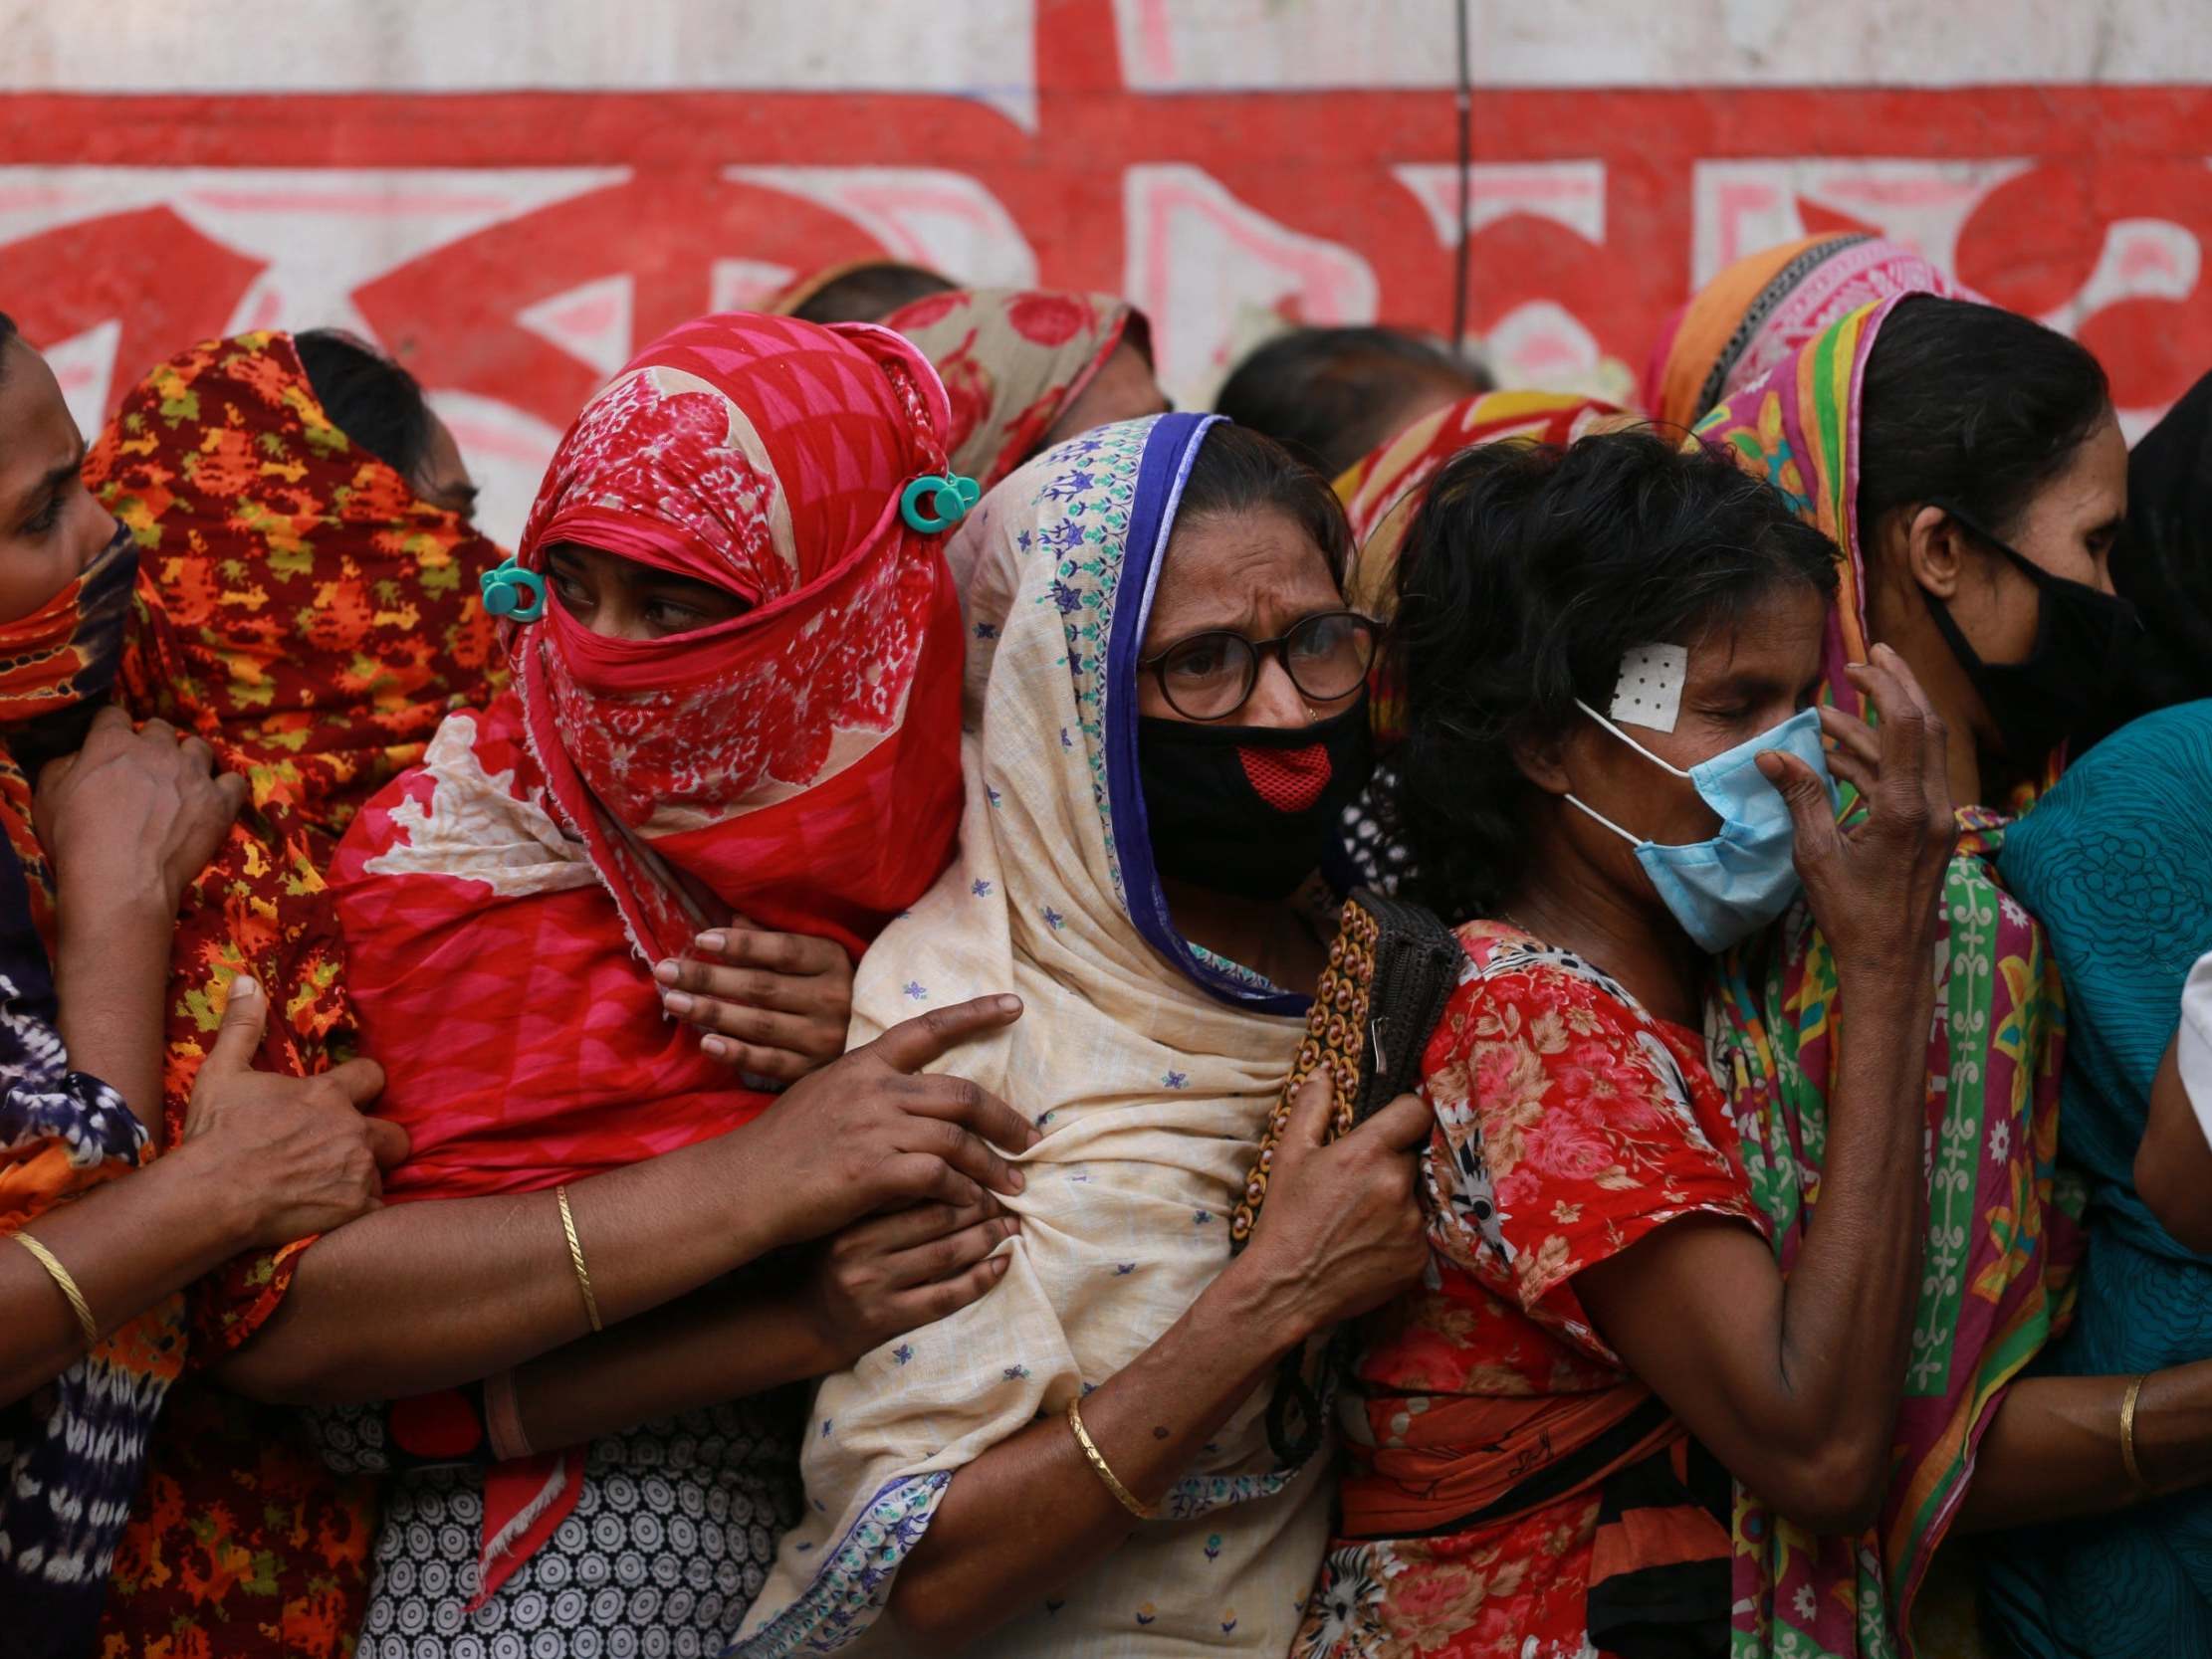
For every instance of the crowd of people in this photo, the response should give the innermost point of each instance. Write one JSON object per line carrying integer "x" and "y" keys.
{"x": 750, "y": 1076}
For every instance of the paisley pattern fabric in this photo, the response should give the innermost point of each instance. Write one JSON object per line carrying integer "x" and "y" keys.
{"x": 1997, "y": 1250}
{"x": 1012, "y": 360}
{"x": 304, "y": 611}
{"x": 1570, "y": 1124}
{"x": 2117, "y": 860}
{"x": 1152, "y": 1068}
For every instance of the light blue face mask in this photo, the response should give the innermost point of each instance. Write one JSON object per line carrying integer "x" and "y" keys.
{"x": 1726, "y": 888}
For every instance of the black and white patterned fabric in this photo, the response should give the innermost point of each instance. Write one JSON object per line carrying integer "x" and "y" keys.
{"x": 670, "y": 1541}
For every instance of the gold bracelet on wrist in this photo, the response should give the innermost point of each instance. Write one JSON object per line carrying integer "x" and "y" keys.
{"x": 67, "y": 1285}
{"x": 2127, "y": 1438}
{"x": 575, "y": 1258}
{"x": 1122, "y": 1495}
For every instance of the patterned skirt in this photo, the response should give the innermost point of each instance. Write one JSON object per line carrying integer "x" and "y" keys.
{"x": 671, "y": 1538}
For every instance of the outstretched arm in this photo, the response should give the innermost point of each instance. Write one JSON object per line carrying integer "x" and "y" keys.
{"x": 427, "y": 1295}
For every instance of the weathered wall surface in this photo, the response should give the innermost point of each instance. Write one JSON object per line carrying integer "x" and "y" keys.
{"x": 512, "y": 194}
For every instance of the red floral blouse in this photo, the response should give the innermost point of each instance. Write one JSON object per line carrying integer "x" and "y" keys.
{"x": 1570, "y": 1124}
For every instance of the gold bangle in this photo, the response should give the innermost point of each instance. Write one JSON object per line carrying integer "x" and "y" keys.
{"x": 2127, "y": 1438}
{"x": 61, "y": 1277}
{"x": 1122, "y": 1495}
{"x": 576, "y": 1256}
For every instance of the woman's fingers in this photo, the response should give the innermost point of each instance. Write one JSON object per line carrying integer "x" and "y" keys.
{"x": 754, "y": 987}
{"x": 758, "y": 1027}
{"x": 920, "y": 1224}
{"x": 1850, "y": 736}
{"x": 941, "y": 1258}
{"x": 1812, "y": 811}
{"x": 777, "y": 1065}
{"x": 788, "y": 955}
{"x": 927, "y": 1303}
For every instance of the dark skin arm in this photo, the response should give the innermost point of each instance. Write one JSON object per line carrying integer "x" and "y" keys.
{"x": 429, "y": 1296}
{"x": 2173, "y": 1166}
{"x": 2054, "y": 1450}
{"x": 1794, "y": 1383}
{"x": 876, "y": 1280}
{"x": 1340, "y": 1235}
{"x": 263, "y": 1158}
{"x": 128, "y": 820}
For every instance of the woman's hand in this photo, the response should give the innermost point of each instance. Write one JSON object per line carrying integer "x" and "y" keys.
{"x": 872, "y": 1132}
{"x": 1342, "y": 1231}
{"x": 1876, "y": 889}
{"x": 294, "y": 1152}
{"x": 775, "y": 1005}
{"x": 133, "y": 816}
{"x": 880, "y": 1277}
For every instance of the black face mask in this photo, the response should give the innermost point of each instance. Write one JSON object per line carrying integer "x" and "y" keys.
{"x": 1248, "y": 809}
{"x": 2082, "y": 638}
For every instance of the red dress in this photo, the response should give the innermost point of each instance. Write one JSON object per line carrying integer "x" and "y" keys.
{"x": 1570, "y": 1124}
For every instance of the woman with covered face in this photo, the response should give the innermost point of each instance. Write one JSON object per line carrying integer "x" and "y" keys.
{"x": 736, "y": 657}
{"x": 1611, "y": 768}
{"x": 108, "y": 1210}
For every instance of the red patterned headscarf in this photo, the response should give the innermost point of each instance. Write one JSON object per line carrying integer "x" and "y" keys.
{"x": 497, "y": 900}
{"x": 1012, "y": 360}
{"x": 748, "y": 767}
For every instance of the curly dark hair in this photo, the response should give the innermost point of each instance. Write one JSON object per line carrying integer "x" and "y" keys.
{"x": 1528, "y": 572}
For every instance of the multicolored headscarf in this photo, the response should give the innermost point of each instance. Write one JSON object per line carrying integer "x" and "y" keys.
{"x": 1760, "y": 310}
{"x": 1012, "y": 360}
{"x": 503, "y": 904}
{"x": 1996, "y": 1249}
{"x": 1382, "y": 495}
{"x": 301, "y": 608}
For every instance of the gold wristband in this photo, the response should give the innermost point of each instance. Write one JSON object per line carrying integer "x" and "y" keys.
{"x": 1122, "y": 1495}
{"x": 2127, "y": 1438}
{"x": 67, "y": 1286}
{"x": 575, "y": 1257}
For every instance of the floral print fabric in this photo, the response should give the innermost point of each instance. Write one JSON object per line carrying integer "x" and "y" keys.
{"x": 1570, "y": 1124}
{"x": 302, "y": 609}
{"x": 1012, "y": 360}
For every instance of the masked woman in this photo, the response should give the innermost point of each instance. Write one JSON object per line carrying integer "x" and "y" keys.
{"x": 1025, "y": 369}
{"x": 1163, "y": 714}
{"x": 733, "y": 653}
{"x": 1967, "y": 463}
{"x": 91, "y": 876}
{"x": 1610, "y": 788}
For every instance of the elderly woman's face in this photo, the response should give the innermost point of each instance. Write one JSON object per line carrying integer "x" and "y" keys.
{"x": 1258, "y": 574}
{"x": 1744, "y": 676}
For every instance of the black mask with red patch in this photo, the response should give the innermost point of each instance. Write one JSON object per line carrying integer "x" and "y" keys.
{"x": 1248, "y": 809}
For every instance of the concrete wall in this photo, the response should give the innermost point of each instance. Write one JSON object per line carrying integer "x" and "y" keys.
{"x": 512, "y": 194}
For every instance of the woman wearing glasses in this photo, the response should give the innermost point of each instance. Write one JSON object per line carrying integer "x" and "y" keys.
{"x": 1164, "y": 711}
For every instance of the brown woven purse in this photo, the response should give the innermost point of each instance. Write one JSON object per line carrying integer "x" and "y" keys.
{"x": 1391, "y": 971}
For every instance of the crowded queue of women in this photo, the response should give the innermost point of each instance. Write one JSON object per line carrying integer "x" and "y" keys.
{"x": 742, "y": 1080}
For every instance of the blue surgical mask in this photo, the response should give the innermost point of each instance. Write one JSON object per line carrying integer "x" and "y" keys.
{"x": 1726, "y": 888}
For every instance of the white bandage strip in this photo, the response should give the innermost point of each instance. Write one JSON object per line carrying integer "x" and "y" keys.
{"x": 1649, "y": 691}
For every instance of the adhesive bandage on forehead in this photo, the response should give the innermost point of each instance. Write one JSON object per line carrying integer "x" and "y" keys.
{"x": 1648, "y": 692}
